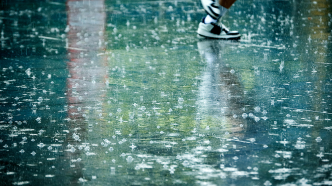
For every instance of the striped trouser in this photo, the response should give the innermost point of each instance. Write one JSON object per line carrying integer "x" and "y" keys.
{"x": 213, "y": 8}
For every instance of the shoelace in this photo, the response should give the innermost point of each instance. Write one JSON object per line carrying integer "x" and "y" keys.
{"x": 223, "y": 27}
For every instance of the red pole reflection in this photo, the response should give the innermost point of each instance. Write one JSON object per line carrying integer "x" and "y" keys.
{"x": 87, "y": 76}
{"x": 85, "y": 44}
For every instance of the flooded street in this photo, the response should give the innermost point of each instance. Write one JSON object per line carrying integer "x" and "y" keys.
{"x": 122, "y": 92}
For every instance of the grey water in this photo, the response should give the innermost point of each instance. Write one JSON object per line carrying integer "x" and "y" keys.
{"x": 110, "y": 92}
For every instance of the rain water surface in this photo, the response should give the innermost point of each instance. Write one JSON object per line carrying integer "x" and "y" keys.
{"x": 112, "y": 92}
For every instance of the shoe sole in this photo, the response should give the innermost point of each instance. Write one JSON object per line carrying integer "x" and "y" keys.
{"x": 226, "y": 37}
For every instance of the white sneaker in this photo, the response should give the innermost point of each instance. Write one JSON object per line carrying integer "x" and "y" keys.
{"x": 216, "y": 31}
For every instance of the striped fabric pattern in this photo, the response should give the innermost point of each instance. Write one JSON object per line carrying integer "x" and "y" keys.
{"x": 212, "y": 8}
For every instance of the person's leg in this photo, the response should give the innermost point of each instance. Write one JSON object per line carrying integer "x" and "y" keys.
{"x": 211, "y": 8}
{"x": 226, "y": 3}
{"x": 209, "y": 27}
{"x": 215, "y": 9}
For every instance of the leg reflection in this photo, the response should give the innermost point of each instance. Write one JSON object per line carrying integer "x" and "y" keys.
{"x": 220, "y": 105}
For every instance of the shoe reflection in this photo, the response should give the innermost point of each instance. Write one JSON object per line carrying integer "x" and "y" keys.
{"x": 220, "y": 105}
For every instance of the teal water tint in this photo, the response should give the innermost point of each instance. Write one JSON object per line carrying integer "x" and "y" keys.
{"x": 123, "y": 93}
{"x": 32, "y": 93}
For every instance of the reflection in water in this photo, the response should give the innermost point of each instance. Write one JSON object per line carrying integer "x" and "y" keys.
{"x": 123, "y": 93}
{"x": 220, "y": 93}
{"x": 87, "y": 76}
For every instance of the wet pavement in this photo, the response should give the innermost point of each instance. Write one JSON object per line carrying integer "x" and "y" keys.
{"x": 124, "y": 93}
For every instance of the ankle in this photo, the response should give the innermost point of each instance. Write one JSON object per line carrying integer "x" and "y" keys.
{"x": 208, "y": 19}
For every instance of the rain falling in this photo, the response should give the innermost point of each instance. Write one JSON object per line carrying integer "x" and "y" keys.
{"x": 123, "y": 92}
